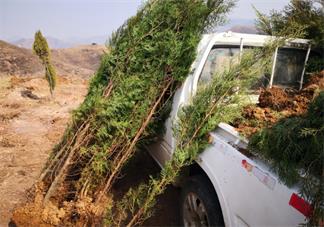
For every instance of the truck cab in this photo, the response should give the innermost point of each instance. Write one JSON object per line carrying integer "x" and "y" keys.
{"x": 226, "y": 186}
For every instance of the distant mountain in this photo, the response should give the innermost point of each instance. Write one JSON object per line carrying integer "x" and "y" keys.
{"x": 58, "y": 43}
{"x": 249, "y": 29}
{"x": 239, "y": 25}
{"x": 52, "y": 42}
{"x": 85, "y": 41}
{"x": 24, "y": 43}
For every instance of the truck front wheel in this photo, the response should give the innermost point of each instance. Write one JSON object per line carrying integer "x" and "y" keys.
{"x": 199, "y": 204}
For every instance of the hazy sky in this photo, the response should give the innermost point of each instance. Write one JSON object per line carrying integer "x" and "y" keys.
{"x": 65, "y": 19}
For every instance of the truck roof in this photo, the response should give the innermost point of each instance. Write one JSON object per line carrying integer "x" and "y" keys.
{"x": 234, "y": 38}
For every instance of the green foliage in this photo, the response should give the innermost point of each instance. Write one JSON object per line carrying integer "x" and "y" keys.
{"x": 301, "y": 14}
{"x": 294, "y": 148}
{"x": 219, "y": 101}
{"x": 315, "y": 64}
{"x": 41, "y": 49}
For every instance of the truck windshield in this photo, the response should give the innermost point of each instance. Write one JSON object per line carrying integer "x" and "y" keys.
{"x": 288, "y": 70}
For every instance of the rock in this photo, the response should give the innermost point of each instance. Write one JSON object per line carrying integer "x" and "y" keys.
{"x": 29, "y": 94}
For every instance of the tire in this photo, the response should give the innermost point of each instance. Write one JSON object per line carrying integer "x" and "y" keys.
{"x": 199, "y": 205}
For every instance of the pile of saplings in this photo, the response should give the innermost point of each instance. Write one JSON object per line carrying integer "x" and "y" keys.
{"x": 150, "y": 56}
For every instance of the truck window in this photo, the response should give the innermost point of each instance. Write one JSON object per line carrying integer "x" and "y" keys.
{"x": 217, "y": 61}
{"x": 289, "y": 67}
{"x": 288, "y": 70}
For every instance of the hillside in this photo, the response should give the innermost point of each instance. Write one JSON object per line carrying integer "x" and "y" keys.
{"x": 16, "y": 60}
{"x": 248, "y": 29}
{"x": 80, "y": 61}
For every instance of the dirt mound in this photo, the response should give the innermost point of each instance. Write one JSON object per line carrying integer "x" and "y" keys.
{"x": 81, "y": 61}
{"x": 36, "y": 213}
{"x": 316, "y": 80}
{"x": 254, "y": 118}
{"x": 275, "y": 103}
{"x": 275, "y": 98}
{"x": 35, "y": 209}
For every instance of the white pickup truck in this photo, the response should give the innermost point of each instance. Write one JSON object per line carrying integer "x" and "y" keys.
{"x": 224, "y": 186}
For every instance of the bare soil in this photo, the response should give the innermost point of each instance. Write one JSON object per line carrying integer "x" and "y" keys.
{"x": 276, "y": 103}
{"x": 29, "y": 127}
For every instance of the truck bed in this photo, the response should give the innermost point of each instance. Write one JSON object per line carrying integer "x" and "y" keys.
{"x": 246, "y": 187}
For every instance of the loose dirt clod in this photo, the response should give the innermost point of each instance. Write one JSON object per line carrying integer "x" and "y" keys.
{"x": 275, "y": 98}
